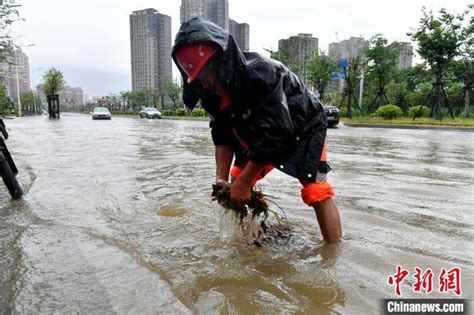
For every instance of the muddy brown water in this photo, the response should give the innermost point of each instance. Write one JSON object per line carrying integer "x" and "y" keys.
{"x": 117, "y": 218}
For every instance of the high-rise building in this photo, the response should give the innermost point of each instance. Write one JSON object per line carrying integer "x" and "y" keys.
{"x": 216, "y": 11}
{"x": 405, "y": 54}
{"x": 68, "y": 96}
{"x": 301, "y": 47}
{"x": 150, "y": 38}
{"x": 15, "y": 72}
{"x": 221, "y": 12}
{"x": 349, "y": 48}
{"x": 240, "y": 32}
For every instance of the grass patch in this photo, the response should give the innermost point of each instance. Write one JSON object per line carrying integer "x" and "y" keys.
{"x": 126, "y": 113}
{"x": 446, "y": 121}
{"x": 185, "y": 117}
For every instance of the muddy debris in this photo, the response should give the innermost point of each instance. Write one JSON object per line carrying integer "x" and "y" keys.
{"x": 253, "y": 216}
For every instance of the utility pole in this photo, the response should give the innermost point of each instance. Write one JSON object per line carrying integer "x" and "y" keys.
{"x": 34, "y": 102}
{"x": 361, "y": 89}
{"x": 17, "y": 64}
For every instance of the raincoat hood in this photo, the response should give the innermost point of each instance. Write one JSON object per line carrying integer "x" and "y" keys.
{"x": 200, "y": 30}
{"x": 267, "y": 113}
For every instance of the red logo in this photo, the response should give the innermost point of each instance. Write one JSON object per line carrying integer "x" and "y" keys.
{"x": 398, "y": 278}
{"x": 448, "y": 280}
{"x": 423, "y": 281}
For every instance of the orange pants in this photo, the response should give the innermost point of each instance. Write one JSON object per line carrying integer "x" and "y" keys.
{"x": 310, "y": 193}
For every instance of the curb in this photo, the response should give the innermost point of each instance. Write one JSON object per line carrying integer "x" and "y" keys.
{"x": 185, "y": 118}
{"x": 425, "y": 127}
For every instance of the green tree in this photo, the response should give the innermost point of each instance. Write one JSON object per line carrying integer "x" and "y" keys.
{"x": 351, "y": 79}
{"x": 125, "y": 96}
{"x": 413, "y": 76}
{"x": 381, "y": 59}
{"x": 8, "y": 16}
{"x": 4, "y": 102}
{"x": 463, "y": 69}
{"x": 114, "y": 102}
{"x": 398, "y": 92}
{"x": 439, "y": 40}
{"x": 320, "y": 71}
{"x": 419, "y": 93}
{"x": 142, "y": 97}
{"x": 151, "y": 98}
{"x": 53, "y": 82}
{"x": 463, "y": 73}
{"x": 174, "y": 92}
{"x": 135, "y": 99}
{"x": 28, "y": 102}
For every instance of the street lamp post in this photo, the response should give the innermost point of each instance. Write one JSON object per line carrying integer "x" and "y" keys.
{"x": 18, "y": 84}
{"x": 34, "y": 102}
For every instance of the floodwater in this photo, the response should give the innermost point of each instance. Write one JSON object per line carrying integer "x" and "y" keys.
{"x": 117, "y": 218}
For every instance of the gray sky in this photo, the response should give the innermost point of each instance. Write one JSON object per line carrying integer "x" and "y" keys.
{"x": 89, "y": 40}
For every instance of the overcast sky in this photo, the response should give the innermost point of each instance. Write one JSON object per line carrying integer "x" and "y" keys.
{"x": 89, "y": 40}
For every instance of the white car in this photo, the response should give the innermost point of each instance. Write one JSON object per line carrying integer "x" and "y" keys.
{"x": 101, "y": 113}
{"x": 150, "y": 113}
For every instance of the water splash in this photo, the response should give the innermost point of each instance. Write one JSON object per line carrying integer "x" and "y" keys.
{"x": 234, "y": 228}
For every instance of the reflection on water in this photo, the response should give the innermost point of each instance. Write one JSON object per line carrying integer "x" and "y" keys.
{"x": 117, "y": 217}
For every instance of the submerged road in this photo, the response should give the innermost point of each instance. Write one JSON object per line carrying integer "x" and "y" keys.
{"x": 117, "y": 218}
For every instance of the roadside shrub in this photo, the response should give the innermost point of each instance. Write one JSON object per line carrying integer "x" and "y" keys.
{"x": 333, "y": 98}
{"x": 198, "y": 112}
{"x": 343, "y": 112}
{"x": 355, "y": 112}
{"x": 167, "y": 112}
{"x": 389, "y": 112}
{"x": 414, "y": 98}
{"x": 180, "y": 112}
{"x": 125, "y": 113}
{"x": 415, "y": 110}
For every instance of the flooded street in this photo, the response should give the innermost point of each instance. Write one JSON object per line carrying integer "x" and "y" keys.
{"x": 117, "y": 218}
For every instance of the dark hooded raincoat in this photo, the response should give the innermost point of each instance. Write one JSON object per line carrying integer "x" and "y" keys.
{"x": 272, "y": 111}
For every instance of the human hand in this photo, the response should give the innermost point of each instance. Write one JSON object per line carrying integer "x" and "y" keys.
{"x": 240, "y": 193}
{"x": 222, "y": 182}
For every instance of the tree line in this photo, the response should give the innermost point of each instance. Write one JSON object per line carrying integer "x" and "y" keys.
{"x": 8, "y": 15}
{"x": 443, "y": 81}
{"x": 167, "y": 98}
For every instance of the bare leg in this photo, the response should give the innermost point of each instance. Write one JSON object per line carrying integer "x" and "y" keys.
{"x": 329, "y": 220}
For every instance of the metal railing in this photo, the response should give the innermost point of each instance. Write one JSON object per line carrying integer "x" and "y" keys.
{"x": 8, "y": 169}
